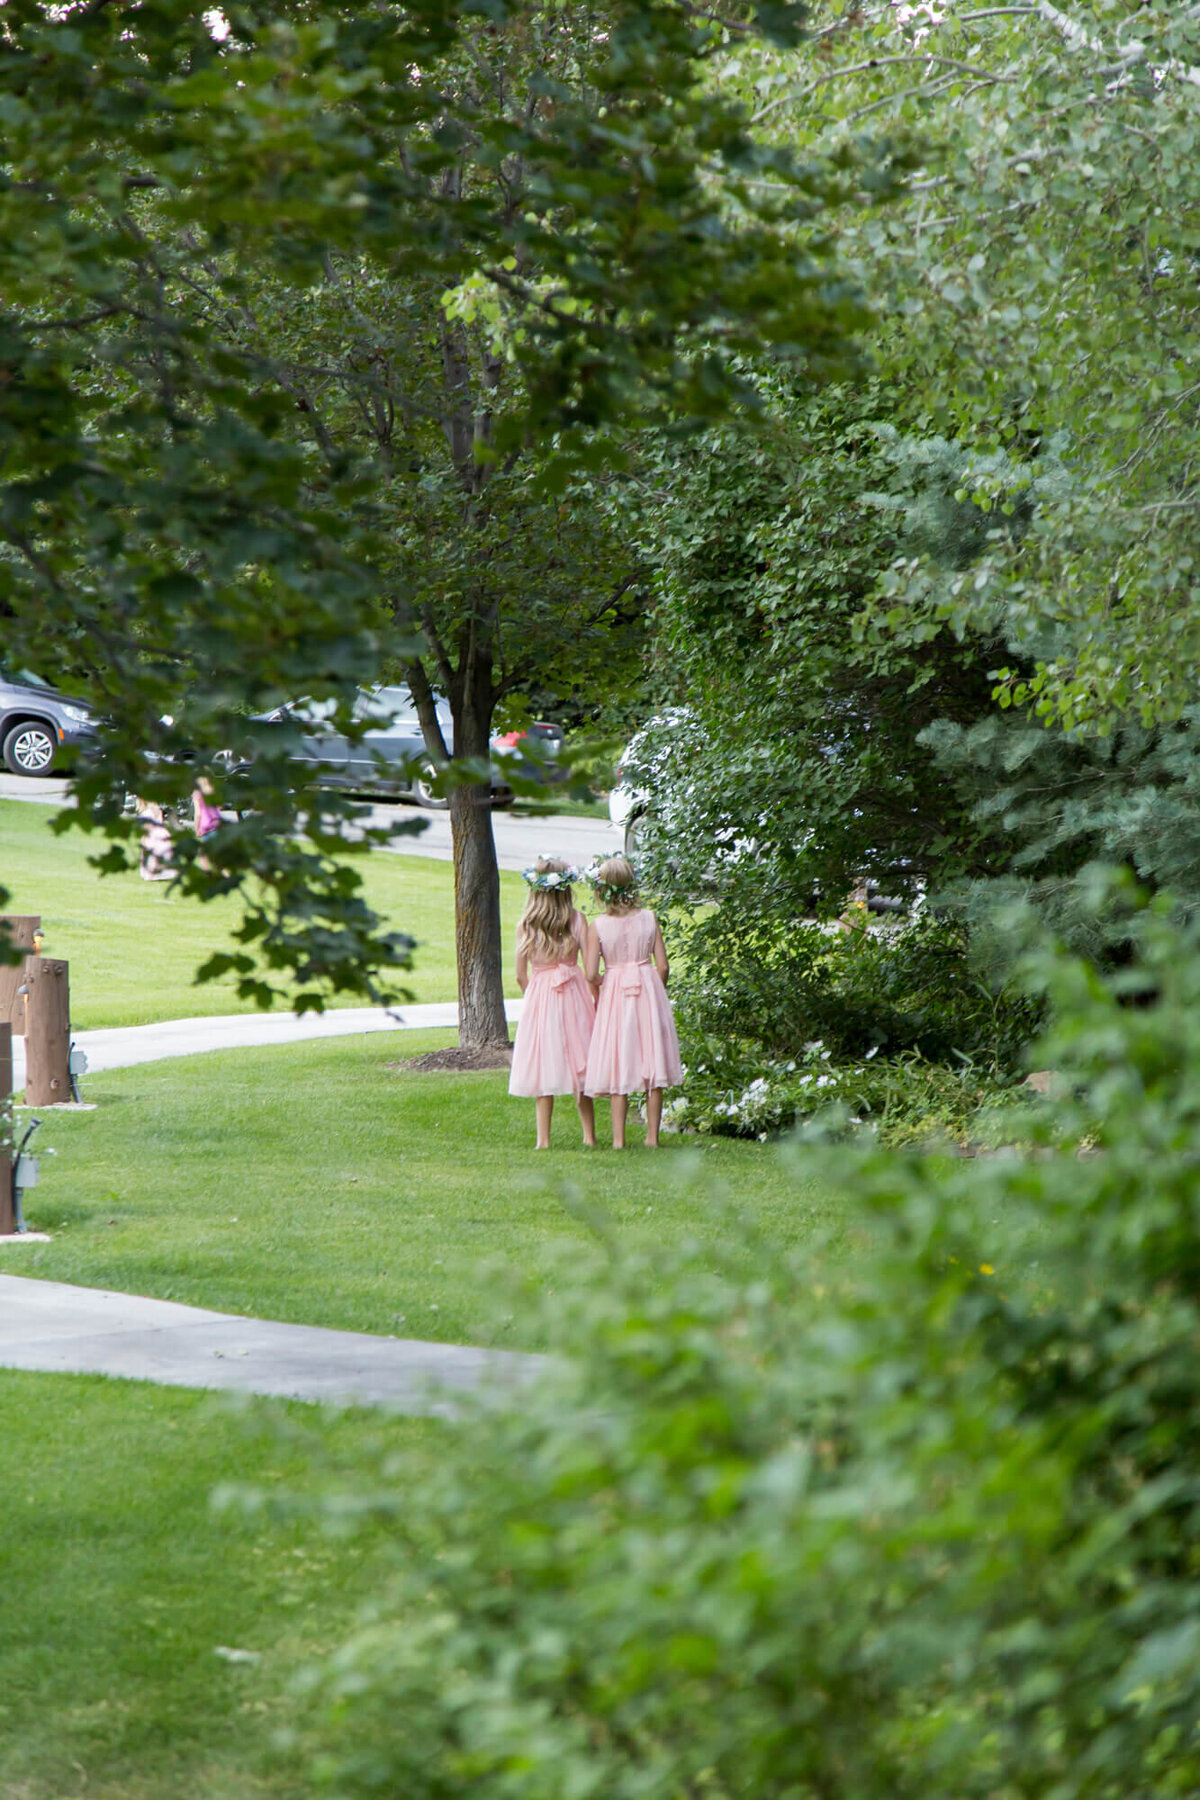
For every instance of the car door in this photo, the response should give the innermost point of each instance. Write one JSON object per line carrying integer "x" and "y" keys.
{"x": 381, "y": 759}
{"x": 320, "y": 750}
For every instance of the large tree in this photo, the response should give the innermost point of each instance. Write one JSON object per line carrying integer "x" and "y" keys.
{"x": 566, "y": 215}
{"x": 1008, "y": 516}
{"x": 1036, "y": 284}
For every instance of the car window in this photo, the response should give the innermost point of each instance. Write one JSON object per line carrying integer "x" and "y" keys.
{"x": 392, "y": 705}
{"x": 313, "y": 712}
{"x": 398, "y": 706}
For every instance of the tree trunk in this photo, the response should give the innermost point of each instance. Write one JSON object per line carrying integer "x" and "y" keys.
{"x": 477, "y": 939}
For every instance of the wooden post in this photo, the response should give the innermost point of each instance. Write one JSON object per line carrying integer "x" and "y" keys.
{"x": 47, "y": 1032}
{"x": 8, "y": 1218}
{"x": 21, "y": 930}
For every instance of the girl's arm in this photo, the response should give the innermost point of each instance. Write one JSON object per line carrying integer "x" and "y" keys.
{"x": 660, "y": 953}
{"x": 522, "y": 970}
{"x": 591, "y": 956}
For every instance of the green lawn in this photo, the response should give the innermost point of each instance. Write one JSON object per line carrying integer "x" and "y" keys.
{"x": 309, "y": 1183}
{"x": 134, "y": 947}
{"x": 119, "y": 1580}
{"x": 313, "y": 1184}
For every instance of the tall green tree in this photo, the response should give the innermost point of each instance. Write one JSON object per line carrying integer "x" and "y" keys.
{"x": 552, "y": 184}
{"x": 1036, "y": 283}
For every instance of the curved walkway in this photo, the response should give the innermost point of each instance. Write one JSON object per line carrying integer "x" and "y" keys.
{"x": 123, "y": 1046}
{"x": 60, "y": 1329}
{"x": 57, "y": 1328}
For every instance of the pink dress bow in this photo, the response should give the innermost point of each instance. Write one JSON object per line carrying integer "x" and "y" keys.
{"x": 629, "y": 974}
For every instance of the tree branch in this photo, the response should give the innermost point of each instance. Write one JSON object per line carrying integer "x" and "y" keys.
{"x": 872, "y": 62}
{"x": 1124, "y": 55}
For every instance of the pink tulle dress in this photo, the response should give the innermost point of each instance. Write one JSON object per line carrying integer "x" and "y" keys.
{"x": 551, "y": 1049}
{"x": 634, "y": 1045}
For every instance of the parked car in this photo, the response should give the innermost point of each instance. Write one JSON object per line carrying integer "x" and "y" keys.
{"x": 391, "y": 757}
{"x": 37, "y": 722}
{"x": 652, "y": 753}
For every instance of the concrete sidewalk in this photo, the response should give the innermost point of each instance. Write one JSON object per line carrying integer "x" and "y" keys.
{"x": 56, "y": 1328}
{"x": 124, "y": 1046}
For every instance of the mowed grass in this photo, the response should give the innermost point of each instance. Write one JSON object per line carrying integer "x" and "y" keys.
{"x": 311, "y": 1183}
{"x": 134, "y": 947}
{"x": 121, "y": 1585}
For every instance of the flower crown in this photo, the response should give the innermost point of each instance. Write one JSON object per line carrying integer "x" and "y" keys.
{"x": 609, "y": 893}
{"x": 550, "y": 881}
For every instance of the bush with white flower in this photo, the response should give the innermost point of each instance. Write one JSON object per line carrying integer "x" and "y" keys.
{"x": 731, "y": 1090}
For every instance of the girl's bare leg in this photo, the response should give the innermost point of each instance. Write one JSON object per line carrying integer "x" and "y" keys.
{"x": 620, "y": 1106}
{"x": 654, "y": 1100}
{"x": 587, "y": 1118}
{"x": 545, "y": 1112}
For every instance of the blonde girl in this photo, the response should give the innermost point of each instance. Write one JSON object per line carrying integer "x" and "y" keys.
{"x": 634, "y": 1046}
{"x": 551, "y": 1049}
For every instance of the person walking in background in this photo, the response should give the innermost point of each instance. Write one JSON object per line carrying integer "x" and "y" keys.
{"x": 634, "y": 1046}
{"x": 156, "y": 862}
{"x": 551, "y": 1049}
{"x": 205, "y": 816}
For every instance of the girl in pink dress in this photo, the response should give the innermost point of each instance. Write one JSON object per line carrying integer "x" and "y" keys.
{"x": 551, "y": 1050}
{"x": 634, "y": 1047}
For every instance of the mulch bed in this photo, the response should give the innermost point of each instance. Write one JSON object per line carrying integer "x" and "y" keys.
{"x": 449, "y": 1062}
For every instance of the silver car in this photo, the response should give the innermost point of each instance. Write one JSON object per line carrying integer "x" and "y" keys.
{"x": 390, "y": 757}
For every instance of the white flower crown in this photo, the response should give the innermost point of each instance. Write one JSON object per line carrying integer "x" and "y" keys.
{"x": 550, "y": 880}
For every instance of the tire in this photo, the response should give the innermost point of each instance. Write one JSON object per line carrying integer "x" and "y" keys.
{"x": 29, "y": 748}
{"x": 633, "y": 834}
{"x": 423, "y": 792}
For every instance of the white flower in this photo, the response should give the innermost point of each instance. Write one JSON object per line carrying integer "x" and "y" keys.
{"x": 873, "y": 1051}
{"x": 552, "y": 881}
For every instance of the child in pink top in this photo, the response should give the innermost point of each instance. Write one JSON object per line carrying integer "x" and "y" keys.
{"x": 634, "y": 1046}
{"x": 551, "y": 1050}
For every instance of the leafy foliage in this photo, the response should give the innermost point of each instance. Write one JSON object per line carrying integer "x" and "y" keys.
{"x": 1064, "y": 799}
{"x": 732, "y": 1089}
{"x": 804, "y": 749}
{"x": 181, "y": 532}
{"x": 911, "y": 1521}
{"x": 1037, "y": 277}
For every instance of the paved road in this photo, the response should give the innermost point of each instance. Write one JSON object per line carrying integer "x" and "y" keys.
{"x": 519, "y": 840}
{"x": 121, "y": 1047}
{"x": 60, "y": 1329}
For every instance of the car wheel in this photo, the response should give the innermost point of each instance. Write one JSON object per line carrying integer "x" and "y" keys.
{"x": 423, "y": 792}
{"x": 29, "y": 749}
{"x": 633, "y": 834}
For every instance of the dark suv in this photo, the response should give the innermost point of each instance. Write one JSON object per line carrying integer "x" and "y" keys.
{"x": 36, "y": 721}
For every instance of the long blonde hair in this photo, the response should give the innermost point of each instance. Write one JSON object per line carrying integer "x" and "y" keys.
{"x": 616, "y": 885}
{"x": 545, "y": 931}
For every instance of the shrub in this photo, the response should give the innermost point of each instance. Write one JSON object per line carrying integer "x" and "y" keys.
{"x": 904, "y": 988}
{"x": 914, "y": 1519}
{"x": 732, "y": 1090}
